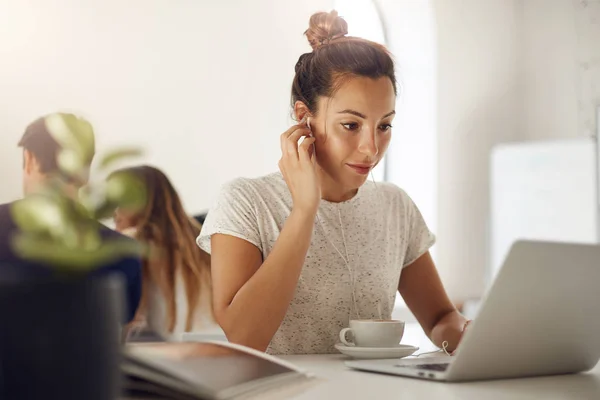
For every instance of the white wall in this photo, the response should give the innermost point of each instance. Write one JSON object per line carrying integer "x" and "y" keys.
{"x": 478, "y": 106}
{"x": 561, "y": 56}
{"x": 202, "y": 85}
{"x": 509, "y": 70}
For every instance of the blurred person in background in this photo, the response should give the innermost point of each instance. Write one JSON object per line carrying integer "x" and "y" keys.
{"x": 176, "y": 288}
{"x": 40, "y": 165}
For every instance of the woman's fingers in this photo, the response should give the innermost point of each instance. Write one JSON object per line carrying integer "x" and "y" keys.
{"x": 306, "y": 149}
{"x": 289, "y": 140}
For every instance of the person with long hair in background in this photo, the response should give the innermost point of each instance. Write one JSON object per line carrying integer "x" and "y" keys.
{"x": 176, "y": 289}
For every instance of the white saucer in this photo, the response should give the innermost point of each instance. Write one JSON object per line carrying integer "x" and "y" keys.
{"x": 400, "y": 351}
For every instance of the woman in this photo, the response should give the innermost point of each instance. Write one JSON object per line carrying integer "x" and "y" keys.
{"x": 297, "y": 254}
{"x": 175, "y": 274}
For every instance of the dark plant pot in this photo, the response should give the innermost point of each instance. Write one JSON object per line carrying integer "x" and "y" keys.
{"x": 59, "y": 339}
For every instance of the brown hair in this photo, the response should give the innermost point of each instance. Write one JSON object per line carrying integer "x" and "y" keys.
{"x": 171, "y": 234}
{"x": 334, "y": 58}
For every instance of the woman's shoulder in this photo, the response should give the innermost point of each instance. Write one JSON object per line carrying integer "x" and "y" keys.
{"x": 390, "y": 192}
{"x": 254, "y": 187}
{"x": 242, "y": 206}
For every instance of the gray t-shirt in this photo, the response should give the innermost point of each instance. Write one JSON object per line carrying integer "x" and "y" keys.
{"x": 378, "y": 232}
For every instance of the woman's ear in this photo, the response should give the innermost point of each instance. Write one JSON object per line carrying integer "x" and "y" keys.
{"x": 301, "y": 111}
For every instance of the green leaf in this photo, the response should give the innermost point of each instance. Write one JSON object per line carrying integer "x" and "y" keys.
{"x": 39, "y": 214}
{"x": 117, "y": 155}
{"x": 71, "y": 162}
{"x": 126, "y": 190}
{"x": 90, "y": 238}
{"x": 104, "y": 211}
{"x": 72, "y": 133}
{"x": 80, "y": 211}
{"x": 91, "y": 197}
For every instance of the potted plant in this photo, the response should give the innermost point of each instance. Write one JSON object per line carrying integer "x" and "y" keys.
{"x": 60, "y": 335}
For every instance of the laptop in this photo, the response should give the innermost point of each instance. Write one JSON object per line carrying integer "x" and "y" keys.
{"x": 541, "y": 316}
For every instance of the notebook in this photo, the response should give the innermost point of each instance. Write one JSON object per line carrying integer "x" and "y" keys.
{"x": 207, "y": 371}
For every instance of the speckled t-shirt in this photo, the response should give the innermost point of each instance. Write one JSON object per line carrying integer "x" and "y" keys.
{"x": 378, "y": 232}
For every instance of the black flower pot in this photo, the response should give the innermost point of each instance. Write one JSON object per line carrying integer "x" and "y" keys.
{"x": 59, "y": 338}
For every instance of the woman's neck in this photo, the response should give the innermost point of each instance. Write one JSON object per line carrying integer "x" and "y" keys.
{"x": 332, "y": 191}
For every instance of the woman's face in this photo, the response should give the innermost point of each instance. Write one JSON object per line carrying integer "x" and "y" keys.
{"x": 124, "y": 219}
{"x": 353, "y": 130}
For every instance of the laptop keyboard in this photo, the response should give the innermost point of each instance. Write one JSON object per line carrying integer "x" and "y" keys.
{"x": 431, "y": 367}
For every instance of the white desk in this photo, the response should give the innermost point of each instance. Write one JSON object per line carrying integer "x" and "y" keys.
{"x": 336, "y": 381}
{"x": 339, "y": 382}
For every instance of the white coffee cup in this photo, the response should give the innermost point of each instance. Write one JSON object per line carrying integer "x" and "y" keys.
{"x": 373, "y": 333}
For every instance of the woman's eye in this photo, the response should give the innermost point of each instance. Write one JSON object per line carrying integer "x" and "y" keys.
{"x": 350, "y": 126}
{"x": 385, "y": 127}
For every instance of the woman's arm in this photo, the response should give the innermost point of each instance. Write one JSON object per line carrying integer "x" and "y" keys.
{"x": 251, "y": 297}
{"x": 424, "y": 294}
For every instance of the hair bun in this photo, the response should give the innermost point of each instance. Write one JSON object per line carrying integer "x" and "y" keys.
{"x": 325, "y": 27}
